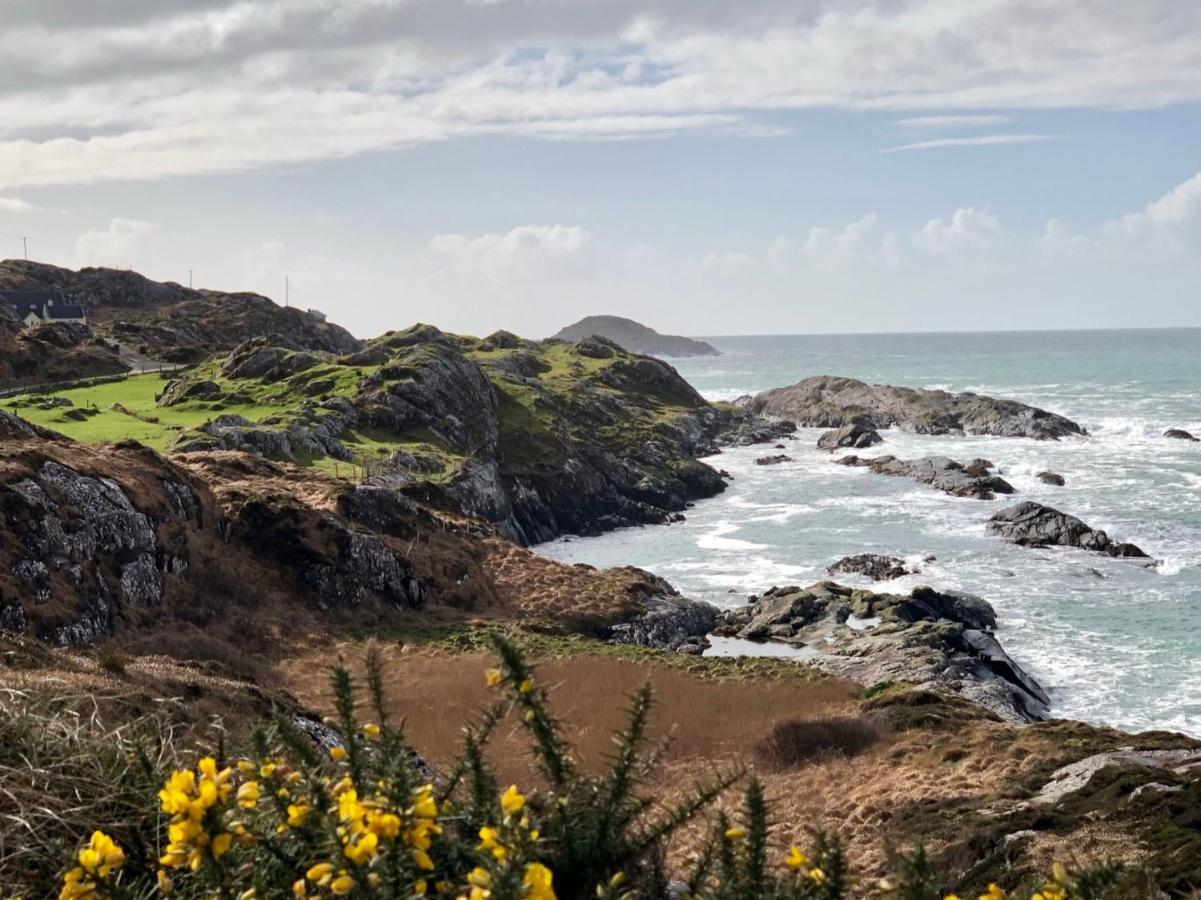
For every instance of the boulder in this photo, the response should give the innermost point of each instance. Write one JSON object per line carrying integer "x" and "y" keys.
{"x": 931, "y": 638}
{"x": 871, "y": 565}
{"x": 1180, "y": 434}
{"x": 1051, "y": 478}
{"x": 827, "y": 401}
{"x": 858, "y": 434}
{"x": 973, "y": 480}
{"x": 1031, "y": 524}
{"x": 773, "y": 460}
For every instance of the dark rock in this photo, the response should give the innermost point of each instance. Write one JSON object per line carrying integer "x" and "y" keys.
{"x": 872, "y": 565}
{"x": 773, "y": 460}
{"x": 827, "y": 401}
{"x": 1051, "y": 478}
{"x": 182, "y": 389}
{"x": 973, "y": 480}
{"x": 1180, "y": 434}
{"x": 858, "y": 434}
{"x": 670, "y": 622}
{"x": 1031, "y": 524}
{"x": 749, "y": 431}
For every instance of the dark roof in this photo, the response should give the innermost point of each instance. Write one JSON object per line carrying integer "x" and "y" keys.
{"x": 25, "y": 302}
{"x": 64, "y": 312}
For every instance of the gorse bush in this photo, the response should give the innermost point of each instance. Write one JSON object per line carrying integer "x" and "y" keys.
{"x": 361, "y": 821}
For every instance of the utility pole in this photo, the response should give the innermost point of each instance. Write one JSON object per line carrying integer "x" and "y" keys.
{"x": 189, "y": 279}
{"x": 287, "y": 293}
{"x": 25, "y": 246}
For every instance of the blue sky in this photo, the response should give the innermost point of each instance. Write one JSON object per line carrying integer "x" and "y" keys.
{"x": 706, "y": 167}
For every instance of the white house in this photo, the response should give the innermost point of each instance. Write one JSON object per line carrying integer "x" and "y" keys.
{"x": 41, "y": 307}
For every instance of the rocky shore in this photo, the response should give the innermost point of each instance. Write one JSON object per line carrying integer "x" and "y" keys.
{"x": 975, "y": 479}
{"x": 1031, "y": 524}
{"x": 827, "y": 401}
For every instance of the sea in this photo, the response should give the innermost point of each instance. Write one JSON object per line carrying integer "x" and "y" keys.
{"x": 1115, "y": 641}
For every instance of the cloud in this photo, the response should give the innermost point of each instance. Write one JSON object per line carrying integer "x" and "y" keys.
{"x": 156, "y": 89}
{"x": 968, "y": 229}
{"x": 966, "y": 121}
{"x": 835, "y": 248}
{"x": 985, "y": 140}
{"x": 530, "y": 252}
{"x": 115, "y": 245}
{"x": 1161, "y": 225}
{"x": 15, "y": 205}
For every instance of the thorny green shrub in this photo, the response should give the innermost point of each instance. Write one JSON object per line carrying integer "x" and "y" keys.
{"x": 361, "y": 821}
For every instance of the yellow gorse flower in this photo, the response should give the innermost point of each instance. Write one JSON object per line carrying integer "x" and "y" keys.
{"x": 493, "y": 677}
{"x": 512, "y": 801}
{"x": 537, "y": 881}
{"x": 795, "y": 859}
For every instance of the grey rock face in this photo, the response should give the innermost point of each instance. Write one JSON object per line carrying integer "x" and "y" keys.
{"x": 858, "y": 434}
{"x": 930, "y": 638}
{"x": 1180, "y": 434}
{"x": 973, "y": 480}
{"x": 1031, "y": 524}
{"x": 669, "y": 623}
{"x": 827, "y": 401}
{"x": 872, "y": 565}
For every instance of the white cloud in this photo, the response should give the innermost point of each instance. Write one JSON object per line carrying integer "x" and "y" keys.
{"x": 968, "y": 229}
{"x": 15, "y": 205}
{"x": 116, "y": 245}
{"x": 964, "y": 121}
{"x": 530, "y": 252}
{"x": 835, "y": 248}
{"x": 147, "y": 90}
{"x": 984, "y": 140}
{"x": 1161, "y": 226}
{"x": 726, "y": 260}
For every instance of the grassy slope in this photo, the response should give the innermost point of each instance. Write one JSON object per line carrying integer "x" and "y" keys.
{"x": 127, "y": 409}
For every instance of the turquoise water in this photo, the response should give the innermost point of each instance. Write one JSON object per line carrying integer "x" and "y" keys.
{"x": 1114, "y": 641}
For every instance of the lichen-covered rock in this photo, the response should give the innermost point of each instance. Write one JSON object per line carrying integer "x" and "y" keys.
{"x": 973, "y": 480}
{"x": 929, "y": 638}
{"x": 827, "y": 401}
{"x": 1031, "y": 524}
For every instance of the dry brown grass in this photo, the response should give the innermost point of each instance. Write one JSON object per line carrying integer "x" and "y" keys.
{"x": 437, "y": 691}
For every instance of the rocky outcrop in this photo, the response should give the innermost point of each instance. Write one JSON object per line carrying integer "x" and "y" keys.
{"x": 1031, "y": 524}
{"x": 1180, "y": 434}
{"x": 635, "y": 337}
{"x": 929, "y": 638}
{"x": 166, "y": 321}
{"x": 859, "y": 434}
{"x": 870, "y": 565}
{"x": 1051, "y": 478}
{"x": 976, "y": 479}
{"x": 826, "y": 401}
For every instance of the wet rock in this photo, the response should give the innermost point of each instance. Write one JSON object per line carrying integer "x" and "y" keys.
{"x": 827, "y": 401}
{"x": 973, "y": 480}
{"x": 931, "y": 638}
{"x": 1051, "y": 478}
{"x": 773, "y": 460}
{"x": 750, "y": 431}
{"x": 871, "y": 565}
{"x": 1031, "y": 524}
{"x": 1180, "y": 434}
{"x": 858, "y": 434}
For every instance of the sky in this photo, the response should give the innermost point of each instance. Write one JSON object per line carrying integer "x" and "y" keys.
{"x": 707, "y": 167}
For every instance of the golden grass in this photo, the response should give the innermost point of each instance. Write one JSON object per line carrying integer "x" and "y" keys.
{"x": 710, "y": 721}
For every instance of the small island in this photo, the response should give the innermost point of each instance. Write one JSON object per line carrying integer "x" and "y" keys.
{"x": 636, "y": 337}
